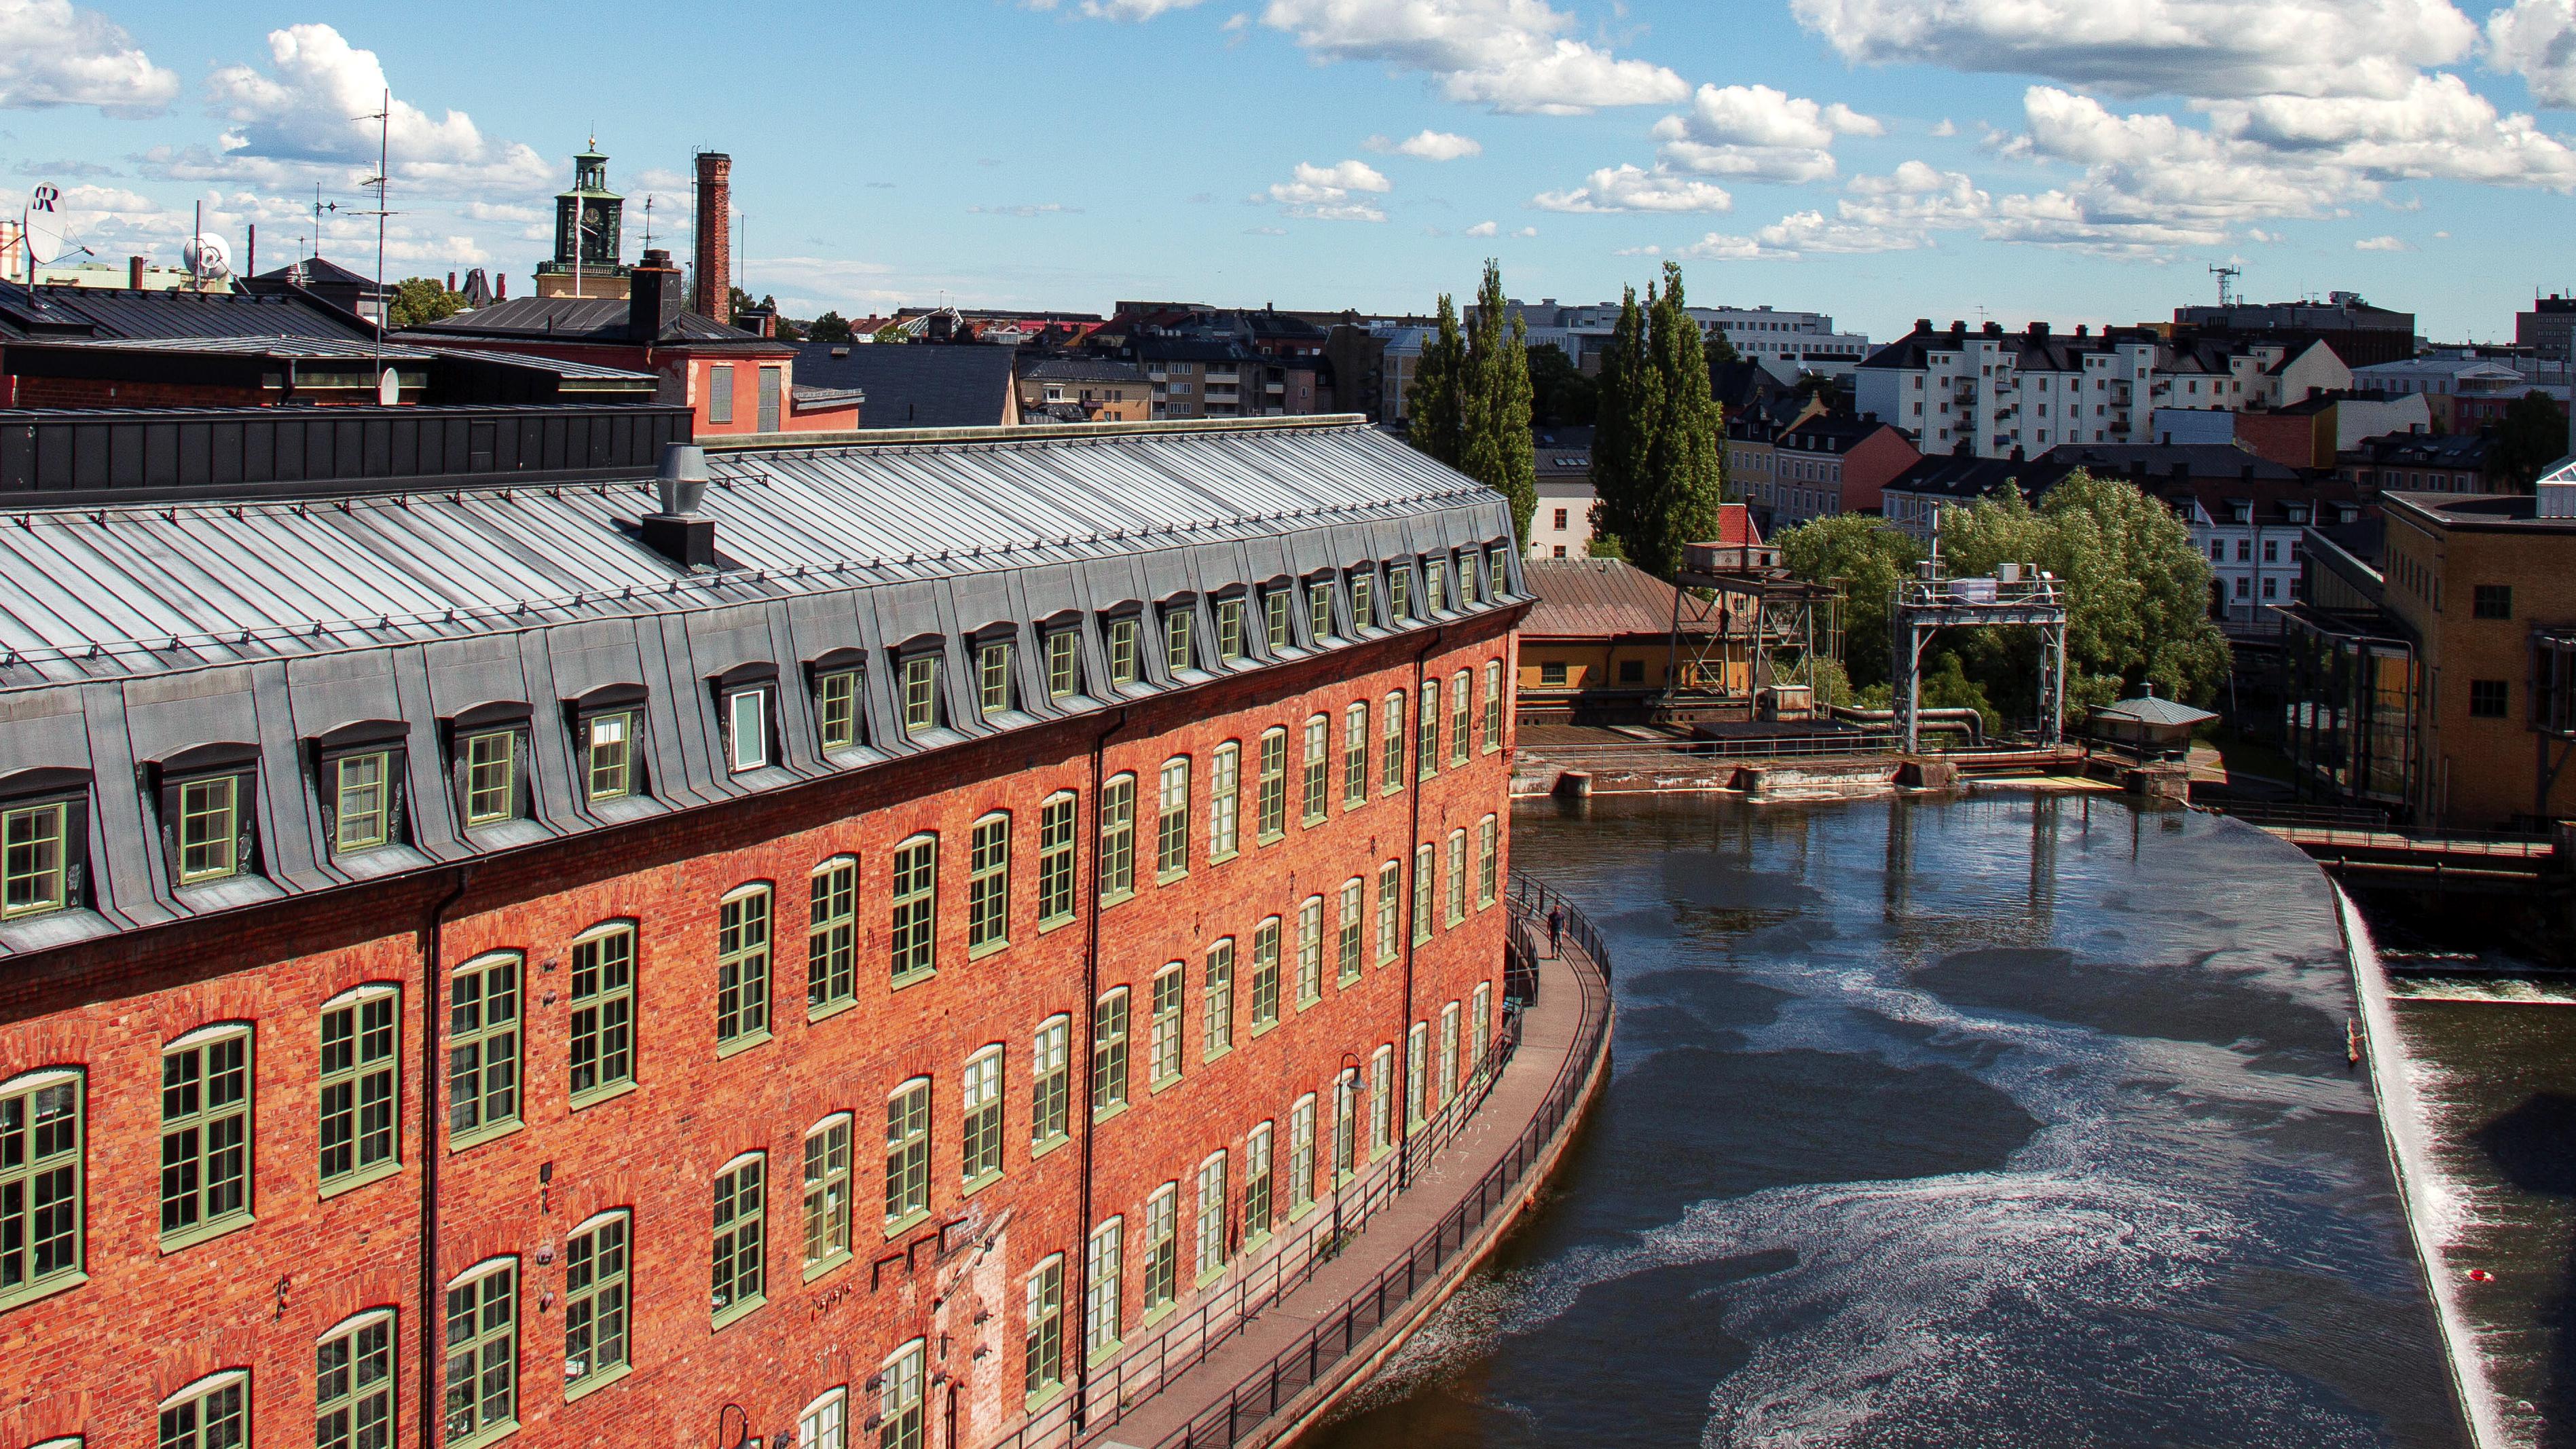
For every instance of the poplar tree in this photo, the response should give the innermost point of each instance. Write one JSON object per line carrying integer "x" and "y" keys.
{"x": 1623, "y": 429}
{"x": 1435, "y": 404}
{"x": 1495, "y": 445}
{"x": 1686, "y": 458}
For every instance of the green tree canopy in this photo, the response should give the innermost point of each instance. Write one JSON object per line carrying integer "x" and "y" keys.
{"x": 1630, "y": 399}
{"x": 1495, "y": 444}
{"x": 416, "y": 300}
{"x": 1720, "y": 350}
{"x": 2531, "y": 436}
{"x": 830, "y": 327}
{"x": 1687, "y": 457}
{"x": 1868, "y": 558}
{"x": 1560, "y": 395}
{"x": 1435, "y": 405}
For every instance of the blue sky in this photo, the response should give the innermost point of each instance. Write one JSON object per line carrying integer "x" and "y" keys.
{"x": 2066, "y": 160}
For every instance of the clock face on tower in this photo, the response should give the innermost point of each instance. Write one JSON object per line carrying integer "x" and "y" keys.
{"x": 598, "y": 222}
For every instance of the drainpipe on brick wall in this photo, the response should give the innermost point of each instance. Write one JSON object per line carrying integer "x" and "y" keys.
{"x": 1412, "y": 928}
{"x": 1079, "y": 1260}
{"x": 431, "y": 973}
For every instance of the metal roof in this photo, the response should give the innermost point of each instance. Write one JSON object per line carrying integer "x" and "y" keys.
{"x": 582, "y": 319}
{"x": 1595, "y": 598}
{"x": 916, "y": 384}
{"x": 118, "y": 312}
{"x": 561, "y": 367}
{"x": 278, "y": 345}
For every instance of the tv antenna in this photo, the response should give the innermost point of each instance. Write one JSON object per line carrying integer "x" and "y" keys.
{"x": 388, "y": 390}
{"x": 2227, "y": 275}
{"x": 318, "y": 209}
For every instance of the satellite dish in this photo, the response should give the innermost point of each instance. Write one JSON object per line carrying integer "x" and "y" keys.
{"x": 44, "y": 229}
{"x": 206, "y": 257}
{"x": 388, "y": 387}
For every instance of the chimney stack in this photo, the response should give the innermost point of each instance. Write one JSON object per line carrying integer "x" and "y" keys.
{"x": 652, "y": 297}
{"x": 134, "y": 273}
{"x": 714, "y": 240}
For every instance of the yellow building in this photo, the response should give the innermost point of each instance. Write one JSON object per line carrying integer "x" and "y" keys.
{"x": 1600, "y": 641}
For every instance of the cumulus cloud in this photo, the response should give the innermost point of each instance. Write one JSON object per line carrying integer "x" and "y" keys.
{"x": 2201, "y": 48}
{"x": 1760, "y": 133}
{"x": 1338, "y": 192}
{"x": 54, "y": 55}
{"x": 1428, "y": 146}
{"x": 2383, "y": 244}
{"x": 1484, "y": 228}
{"x": 297, "y": 120}
{"x": 2536, "y": 39}
{"x": 1514, "y": 56}
{"x": 1633, "y": 188}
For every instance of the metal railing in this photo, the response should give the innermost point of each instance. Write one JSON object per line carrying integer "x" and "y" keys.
{"x": 2333, "y": 825}
{"x": 1258, "y": 1396}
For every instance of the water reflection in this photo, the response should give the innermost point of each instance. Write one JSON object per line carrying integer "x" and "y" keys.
{"x": 2007, "y": 1121}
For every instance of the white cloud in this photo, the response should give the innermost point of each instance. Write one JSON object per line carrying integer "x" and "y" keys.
{"x": 2383, "y": 244}
{"x": 1514, "y": 56}
{"x": 2536, "y": 39}
{"x": 1484, "y": 228}
{"x": 1527, "y": 231}
{"x": 54, "y": 55}
{"x": 1326, "y": 193}
{"x": 1630, "y": 188}
{"x": 1945, "y": 128}
{"x": 1118, "y": 9}
{"x": 1757, "y": 132}
{"x": 2203, "y": 48}
{"x": 299, "y": 121}
{"x": 1428, "y": 146}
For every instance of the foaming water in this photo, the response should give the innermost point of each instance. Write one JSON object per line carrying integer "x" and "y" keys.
{"x": 2000, "y": 1122}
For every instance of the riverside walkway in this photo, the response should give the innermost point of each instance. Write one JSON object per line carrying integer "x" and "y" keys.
{"x": 1264, "y": 1356}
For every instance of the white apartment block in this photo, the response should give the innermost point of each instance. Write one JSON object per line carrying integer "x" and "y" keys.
{"x": 1786, "y": 343}
{"x": 2031, "y": 391}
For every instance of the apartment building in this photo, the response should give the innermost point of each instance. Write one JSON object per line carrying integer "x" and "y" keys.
{"x": 1092, "y": 389}
{"x": 1785, "y": 344}
{"x": 1562, "y": 526}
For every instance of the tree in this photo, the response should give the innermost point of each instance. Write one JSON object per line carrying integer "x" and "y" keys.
{"x": 1560, "y": 395}
{"x": 416, "y": 300}
{"x": 1435, "y": 405}
{"x": 1495, "y": 445}
{"x": 2531, "y": 436}
{"x": 1868, "y": 557}
{"x": 830, "y": 327}
{"x": 1630, "y": 396}
{"x": 1720, "y": 349}
{"x": 1686, "y": 455}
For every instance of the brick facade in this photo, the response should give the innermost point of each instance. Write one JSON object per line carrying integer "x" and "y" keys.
{"x": 96, "y": 1357}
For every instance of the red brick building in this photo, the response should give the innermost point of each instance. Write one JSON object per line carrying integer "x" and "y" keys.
{"x": 519, "y": 984}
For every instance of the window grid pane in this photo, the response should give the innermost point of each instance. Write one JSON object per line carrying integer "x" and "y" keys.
{"x": 1273, "y": 806}
{"x": 1493, "y": 734}
{"x": 1172, "y": 833}
{"x": 209, "y": 846}
{"x": 911, "y": 933}
{"x": 1211, "y": 1216}
{"x": 920, "y": 693}
{"x": 1177, "y": 657}
{"x": 1122, "y": 651}
{"x": 1391, "y": 766}
{"x": 1301, "y": 1154}
{"x": 1319, "y": 611}
{"x": 491, "y": 771}
{"x": 1165, "y": 1063}
{"x": 1355, "y": 756}
{"x": 1229, "y": 630}
{"x": 1118, "y": 838}
{"x": 1256, "y": 1181}
{"x": 1488, "y": 859}
{"x": 358, "y": 1087}
{"x": 1109, "y": 1051}
{"x": 595, "y": 1301}
{"x": 1456, "y": 881}
{"x": 1265, "y": 974}
{"x": 1051, "y": 1081}
{"x": 1055, "y": 860}
{"x": 1310, "y": 951}
{"x": 1319, "y": 757}
{"x": 1354, "y": 895}
{"x": 608, "y": 749}
{"x": 1064, "y": 664}
{"x": 603, "y": 1012}
{"x": 742, "y": 967}
{"x": 1426, "y": 750}
{"x": 1103, "y": 1292}
{"x": 34, "y": 844}
{"x": 1390, "y": 910}
{"x": 827, "y": 1192}
{"x": 907, "y": 1151}
{"x": 1162, "y": 1247}
{"x": 41, "y": 1198}
{"x": 353, "y": 1388}
{"x": 1274, "y": 613}
{"x": 981, "y": 1098}
{"x": 837, "y": 707}
{"x": 1218, "y": 1032}
{"x": 360, "y": 807}
{"x": 988, "y": 884}
{"x": 831, "y": 935}
{"x": 993, "y": 679}
{"x": 1424, "y": 868}
{"x": 1225, "y": 800}
{"x": 1043, "y": 1344}
{"x": 483, "y": 1354}
{"x": 1461, "y": 717}
{"x": 205, "y": 1134}
{"x": 740, "y": 1273}
{"x": 902, "y": 1426}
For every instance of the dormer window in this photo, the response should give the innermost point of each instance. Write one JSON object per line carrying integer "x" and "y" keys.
{"x": 42, "y": 854}
{"x": 1319, "y": 610}
{"x": 1274, "y": 618}
{"x": 1435, "y": 587}
{"x": 1498, "y": 575}
{"x": 490, "y": 762}
{"x": 1122, "y": 650}
{"x": 358, "y": 780}
{"x": 747, "y": 714}
{"x": 608, "y": 754}
{"x": 836, "y": 708}
{"x": 1399, "y": 595}
{"x": 920, "y": 693}
{"x": 1063, "y": 663}
{"x": 1178, "y": 653}
{"x": 1363, "y": 602}
{"x": 993, "y": 678}
{"x": 1229, "y": 629}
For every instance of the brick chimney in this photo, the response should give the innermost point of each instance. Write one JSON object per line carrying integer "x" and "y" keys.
{"x": 652, "y": 297}
{"x": 714, "y": 240}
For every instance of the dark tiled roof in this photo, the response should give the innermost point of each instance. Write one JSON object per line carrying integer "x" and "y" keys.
{"x": 141, "y": 316}
{"x": 585, "y": 319}
{"x": 915, "y": 384}
{"x": 1951, "y": 475}
{"x": 316, "y": 272}
{"x": 1082, "y": 369}
{"x": 2427, "y": 450}
{"x": 1595, "y": 598}
{"x": 2221, "y": 462}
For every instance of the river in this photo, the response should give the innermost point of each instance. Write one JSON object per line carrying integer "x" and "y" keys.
{"x": 2011, "y": 1120}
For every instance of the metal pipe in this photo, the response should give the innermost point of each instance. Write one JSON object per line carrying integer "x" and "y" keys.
{"x": 432, "y": 973}
{"x": 1080, "y": 1260}
{"x": 1412, "y": 927}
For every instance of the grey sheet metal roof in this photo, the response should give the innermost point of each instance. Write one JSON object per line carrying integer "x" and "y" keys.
{"x": 131, "y": 635}
{"x": 2151, "y": 709}
{"x": 277, "y": 346}
{"x": 915, "y": 384}
{"x": 561, "y": 367}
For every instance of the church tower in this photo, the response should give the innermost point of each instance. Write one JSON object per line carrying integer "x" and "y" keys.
{"x": 585, "y": 262}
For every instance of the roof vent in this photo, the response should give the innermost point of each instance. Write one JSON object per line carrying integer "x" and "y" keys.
{"x": 2557, "y": 499}
{"x": 678, "y": 532}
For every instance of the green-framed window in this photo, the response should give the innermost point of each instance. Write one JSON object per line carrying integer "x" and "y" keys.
{"x": 1426, "y": 871}
{"x": 740, "y": 1272}
{"x": 1447, "y": 1061}
{"x": 993, "y": 678}
{"x": 1390, "y": 910}
{"x": 603, "y": 1011}
{"x": 36, "y": 850}
{"x": 1346, "y": 1124}
{"x": 1318, "y": 770}
{"x": 1122, "y": 650}
{"x": 353, "y": 1384}
{"x": 1417, "y": 1052}
{"x": 212, "y": 1413}
{"x": 1492, "y": 737}
{"x": 483, "y": 1353}
{"x": 988, "y": 884}
{"x": 902, "y": 1412}
{"x": 1225, "y": 800}
{"x": 1301, "y": 1154}
{"x": 1462, "y": 709}
{"x": 979, "y": 1110}
{"x": 1454, "y": 880}
{"x": 1216, "y": 1033}
{"x": 362, "y": 801}
{"x": 1271, "y": 797}
{"x": 832, "y": 935}
{"x": 1118, "y": 838}
{"x": 1042, "y": 1336}
{"x": 1399, "y": 594}
{"x": 746, "y": 729}
{"x": 491, "y": 775}
{"x": 1426, "y": 749}
{"x": 1229, "y": 629}
{"x": 1104, "y": 1271}
{"x": 907, "y": 1155}
{"x": 1470, "y": 564}
{"x": 1056, "y": 820}
{"x": 43, "y": 1214}
{"x": 1310, "y": 951}
{"x": 912, "y": 929}
{"x": 920, "y": 693}
{"x": 836, "y": 709}
{"x": 1178, "y": 654}
{"x": 1352, "y": 932}
{"x": 1164, "y": 1063}
{"x": 825, "y": 1423}
{"x": 596, "y": 1297}
{"x": 1274, "y": 620}
{"x": 1489, "y": 854}
{"x": 1381, "y": 1100}
{"x": 1051, "y": 1080}
{"x": 1435, "y": 586}
{"x": 360, "y": 1084}
{"x": 1162, "y": 1247}
{"x": 1109, "y": 1051}
{"x": 1265, "y": 974}
{"x": 1363, "y": 603}
{"x": 1497, "y": 574}
{"x": 1212, "y": 1203}
{"x": 205, "y": 1133}
{"x": 742, "y": 965}
{"x": 483, "y": 1046}
{"x": 608, "y": 754}
{"x": 1391, "y": 756}
{"x": 1355, "y": 755}
{"x": 827, "y": 1192}
{"x": 1257, "y": 1182}
{"x": 1319, "y": 611}
{"x": 1480, "y": 1024}
{"x": 1063, "y": 663}
{"x": 1172, "y": 821}
{"x": 210, "y": 835}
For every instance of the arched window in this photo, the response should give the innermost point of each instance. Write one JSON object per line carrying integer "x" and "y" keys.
{"x": 827, "y": 1194}
{"x": 212, "y": 1413}
{"x": 482, "y": 1340}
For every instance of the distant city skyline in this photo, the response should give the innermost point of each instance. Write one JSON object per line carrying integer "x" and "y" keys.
{"x": 1878, "y": 160}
